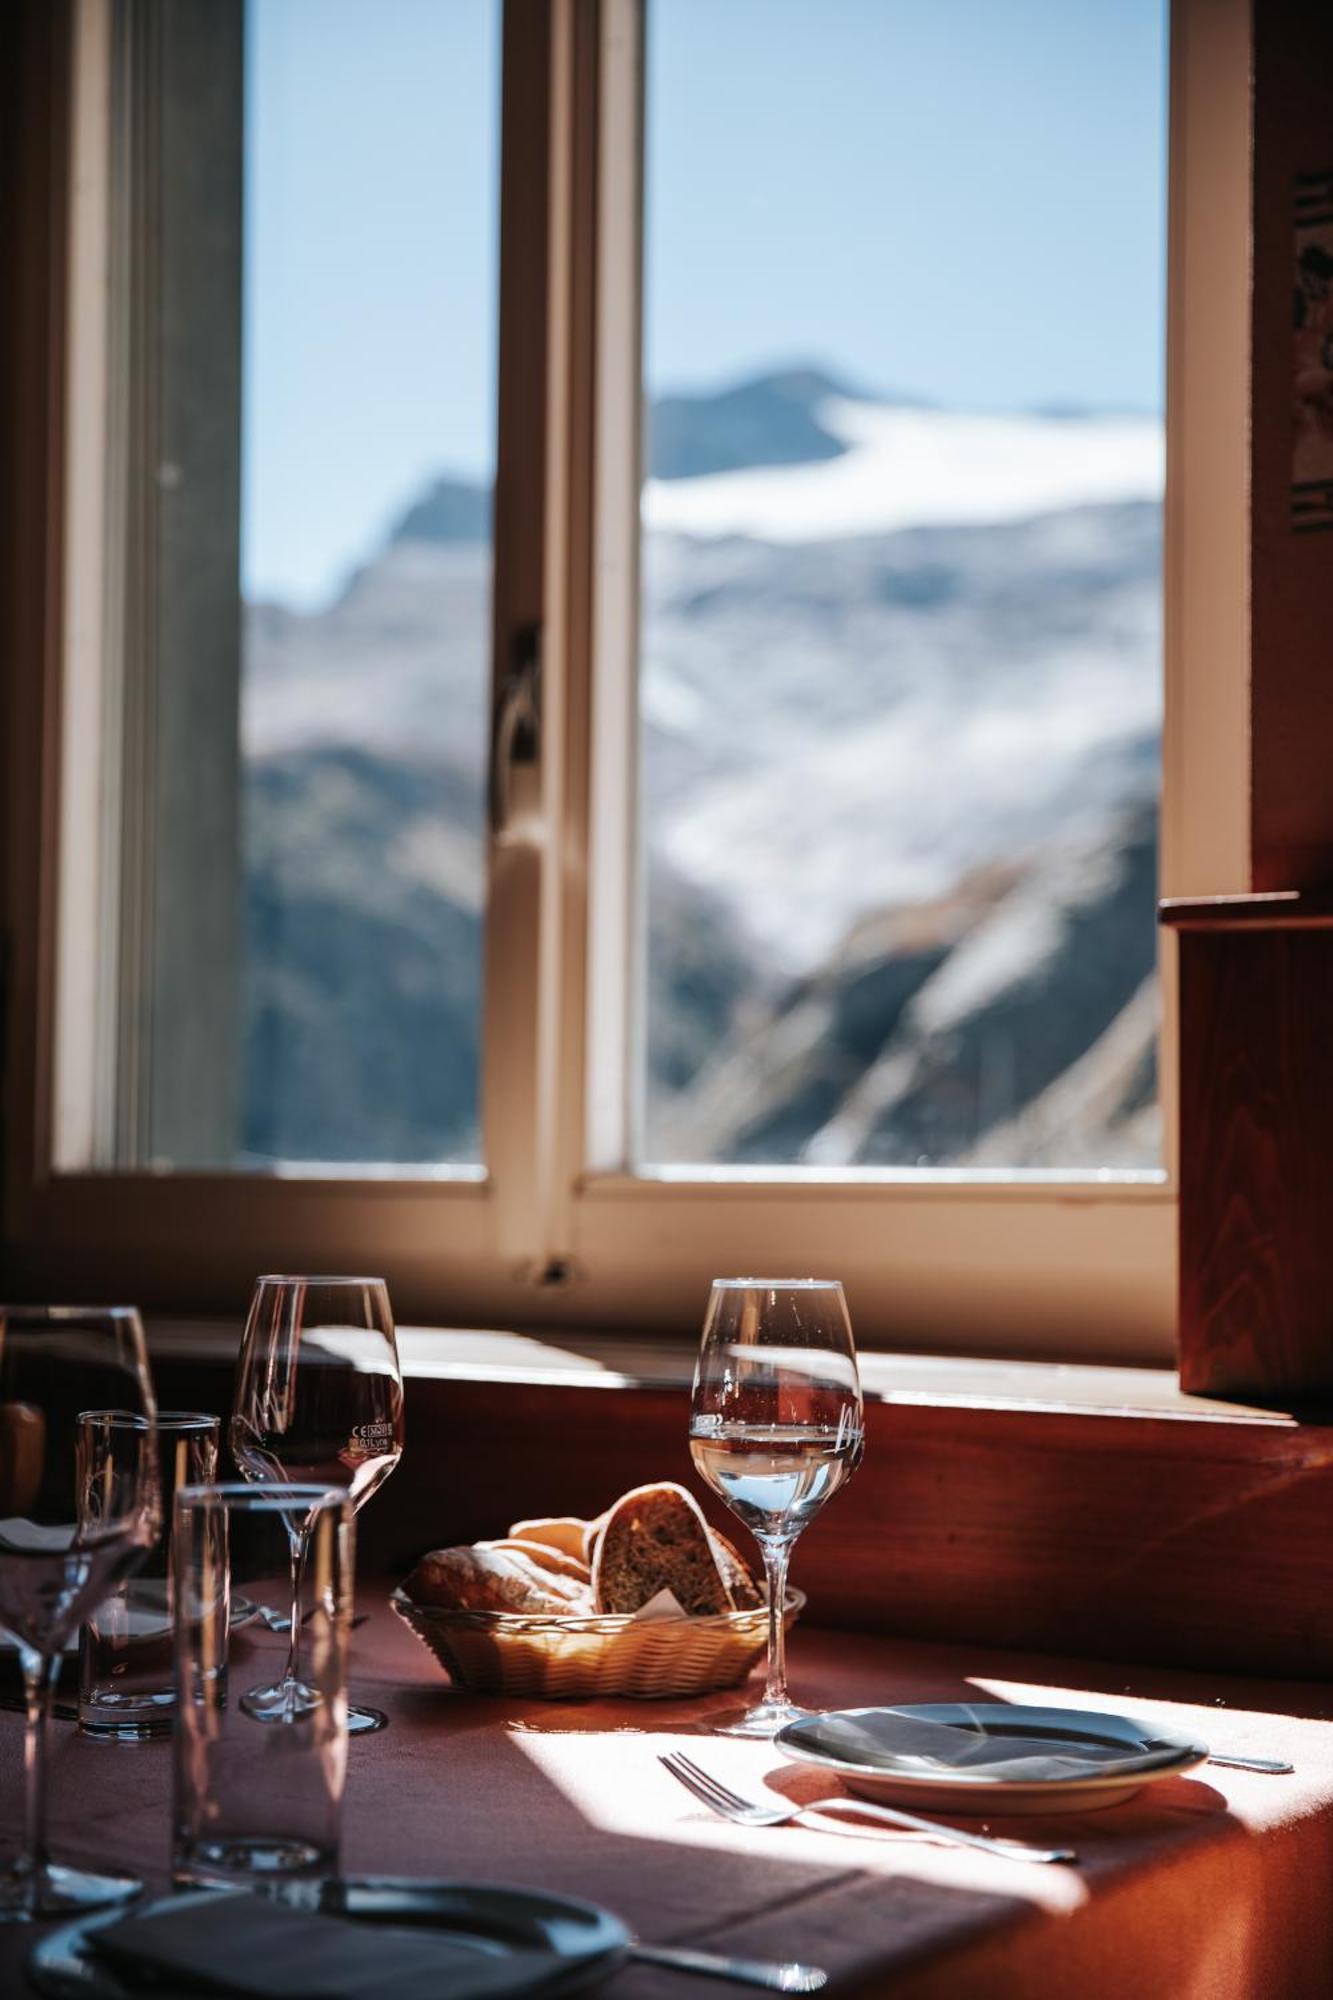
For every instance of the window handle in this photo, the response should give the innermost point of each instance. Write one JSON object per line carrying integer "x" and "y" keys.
{"x": 516, "y": 742}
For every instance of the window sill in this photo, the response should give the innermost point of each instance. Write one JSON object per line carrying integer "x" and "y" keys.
{"x": 1087, "y": 1509}
{"x": 611, "y": 1361}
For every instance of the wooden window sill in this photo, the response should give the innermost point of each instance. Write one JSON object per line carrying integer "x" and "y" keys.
{"x": 1092, "y": 1510}
{"x": 610, "y": 1361}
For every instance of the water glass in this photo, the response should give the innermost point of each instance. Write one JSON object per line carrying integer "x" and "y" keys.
{"x": 127, "y": 1689}
{"x": 65, "y": 1542}
{"x": 258, "y": 1792}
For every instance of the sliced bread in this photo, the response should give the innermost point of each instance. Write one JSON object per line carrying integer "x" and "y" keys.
{"x": 557, "y": 1531}
{"x": 545, "y": 1557}
{"x": 656, "y": 1538}
{"x": 481, "y": 1579}
{"x": 746, "y": 1593}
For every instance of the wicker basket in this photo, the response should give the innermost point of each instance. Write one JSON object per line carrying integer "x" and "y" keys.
{"x": 507, "y": 1652}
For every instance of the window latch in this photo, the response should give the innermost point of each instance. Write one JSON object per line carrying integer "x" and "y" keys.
{"x": 516, "y": 742}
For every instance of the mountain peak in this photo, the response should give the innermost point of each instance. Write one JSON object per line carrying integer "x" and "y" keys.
{"x": 769, "y": 419}
{"x": 450, "y": 510}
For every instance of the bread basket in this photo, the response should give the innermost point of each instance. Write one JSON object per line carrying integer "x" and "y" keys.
{"x": 565, "y": 1658}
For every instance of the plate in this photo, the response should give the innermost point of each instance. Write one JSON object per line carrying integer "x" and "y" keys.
{"x": 581, "y": 1942}
{"x": 990, "y": 1756}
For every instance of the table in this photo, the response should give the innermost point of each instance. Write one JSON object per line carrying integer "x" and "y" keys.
{"x": 1210, "y": 1887}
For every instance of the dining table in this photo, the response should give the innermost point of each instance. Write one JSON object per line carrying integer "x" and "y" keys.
{"x": 1214, "y": 1885}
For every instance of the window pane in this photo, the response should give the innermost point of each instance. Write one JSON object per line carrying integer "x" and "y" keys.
{"x": 332, "y": 361}
{"x": 901, "y": 601}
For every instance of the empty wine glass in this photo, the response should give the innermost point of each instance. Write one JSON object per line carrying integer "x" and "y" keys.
{"x": 776, "y": 1429}
{"x": 70, "y": 1530}
{"x": 319, "y": 1401}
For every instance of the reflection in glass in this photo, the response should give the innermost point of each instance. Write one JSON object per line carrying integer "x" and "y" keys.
{"x": 319, "y": 1400}
{"x": 776, "y": 1429}
{"x": 72, "y": 1526}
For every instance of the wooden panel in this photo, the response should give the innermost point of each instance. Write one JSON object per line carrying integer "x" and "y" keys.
{"x": 1256, "y": 1204}
{"x": 1165, "y": 1539}
{"x": 34, "y": 135}
{"x": 1291, "y": 573}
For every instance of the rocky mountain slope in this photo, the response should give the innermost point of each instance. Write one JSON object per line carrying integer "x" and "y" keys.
{"x": 900, "y": 772}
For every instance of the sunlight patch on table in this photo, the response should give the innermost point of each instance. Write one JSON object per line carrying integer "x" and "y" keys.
{"x": 616, "y": 1783}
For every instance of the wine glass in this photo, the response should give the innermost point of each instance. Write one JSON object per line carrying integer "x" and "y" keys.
{"x": 775, "y": 1429}
{"x": 319, "y": 1401}
{"x": 70, "y": 1531}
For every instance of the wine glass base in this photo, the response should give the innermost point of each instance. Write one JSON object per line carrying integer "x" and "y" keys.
{"x": 365, "y": 1721}
{"x": 763, "y": 1721}
{"x": 64, "y": 1891}
{"x": 286, "y": 1700}
{"x": 280, "y": 1703}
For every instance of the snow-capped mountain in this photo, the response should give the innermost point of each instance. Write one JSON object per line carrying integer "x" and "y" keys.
{"x": 896, "y": 663}
{"x": 913, "y": 467}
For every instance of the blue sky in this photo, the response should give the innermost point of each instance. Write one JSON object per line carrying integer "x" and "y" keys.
{"x": 962, "y": 199}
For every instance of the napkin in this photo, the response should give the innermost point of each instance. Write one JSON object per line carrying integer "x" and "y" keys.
{"x": 914, "y": 1746}
{"x": 664, "y": 1608}
{"x": 237, "y": 1943}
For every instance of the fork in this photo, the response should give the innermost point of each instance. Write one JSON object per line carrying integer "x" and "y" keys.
{"x": 789, "y": 1978}
{"x": 748, "y": 1812}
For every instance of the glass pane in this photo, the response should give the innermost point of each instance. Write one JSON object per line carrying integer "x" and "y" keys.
{"x": 901, "y": 600}
{"x": 370, "y": 284}
{"x": 331, "y": 366}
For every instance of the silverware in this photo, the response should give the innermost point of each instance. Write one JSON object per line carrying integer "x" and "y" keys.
{"x": 746, "y": 1812}
{"x": 1274, "y": 1765}
{"x": 789, "y": 1978}
{"x": 271, "y": 1620}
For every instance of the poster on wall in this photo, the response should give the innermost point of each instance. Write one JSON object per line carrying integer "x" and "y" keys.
{"x": 1312, "y": 385}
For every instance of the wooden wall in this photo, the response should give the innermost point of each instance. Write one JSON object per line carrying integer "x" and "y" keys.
{"x": 1176, "y": 1539}
{"x": 1291, "y": 613}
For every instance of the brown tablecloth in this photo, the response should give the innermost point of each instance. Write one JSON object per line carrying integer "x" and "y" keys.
{"x": 1212, "y": 1887}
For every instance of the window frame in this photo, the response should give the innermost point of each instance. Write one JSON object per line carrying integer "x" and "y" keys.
{"x": 556, "y": 1230}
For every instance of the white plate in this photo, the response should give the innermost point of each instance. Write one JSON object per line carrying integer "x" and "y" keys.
{"x": 990, "y": 1756}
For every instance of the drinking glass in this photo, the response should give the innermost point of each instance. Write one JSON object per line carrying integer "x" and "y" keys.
{"x": 776, "y": 1429}
{"x": 258, "y": 1797}
{"x": 126, "y": 1690}
{"x": 68, "y": 1534}
{"x": 319, "y": 1400}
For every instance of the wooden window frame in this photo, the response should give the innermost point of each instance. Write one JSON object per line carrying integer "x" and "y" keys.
{"x": 558, "y": 1231}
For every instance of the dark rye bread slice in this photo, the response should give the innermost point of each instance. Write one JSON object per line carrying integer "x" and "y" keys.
{"x": 656, "y": 1538}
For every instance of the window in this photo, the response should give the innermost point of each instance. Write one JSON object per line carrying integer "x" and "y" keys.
{"x": 901, "y": 655}
{"x": 563, "y": 1064}
{"x": 294, "y": 636}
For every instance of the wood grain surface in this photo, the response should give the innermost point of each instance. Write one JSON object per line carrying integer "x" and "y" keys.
{"x": 1176, "y": 1539}
{"x": 1256, "y": 1138}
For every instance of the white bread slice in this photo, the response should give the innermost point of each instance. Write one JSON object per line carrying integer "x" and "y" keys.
{"x": 480, "y": 1579}
{"x": 556, "y": 1531}
{"x": 592, "y": 1534}
{"x": 544, "y": 1556}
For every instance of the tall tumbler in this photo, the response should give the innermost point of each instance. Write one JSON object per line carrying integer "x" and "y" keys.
{"x": 127, "y": 1687}
{"x": 258, "y": 1794}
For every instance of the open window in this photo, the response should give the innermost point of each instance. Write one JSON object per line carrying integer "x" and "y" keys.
{"x": 610, "y": 677}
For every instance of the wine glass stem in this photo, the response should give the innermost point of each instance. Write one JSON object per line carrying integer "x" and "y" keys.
{"x": 777, "y": 1556}
{"x": 296, "y": 1538}
{"x": 39, "y": 1680}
